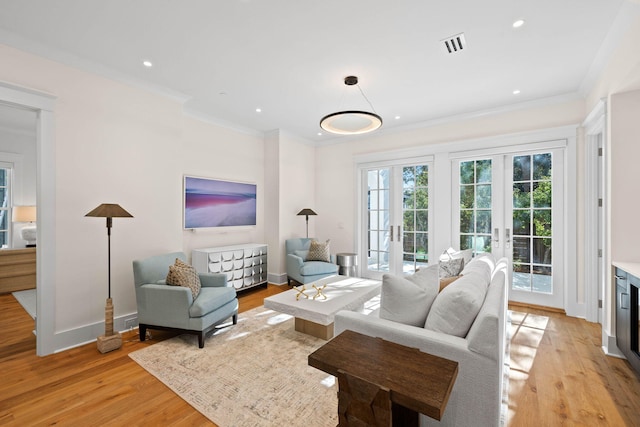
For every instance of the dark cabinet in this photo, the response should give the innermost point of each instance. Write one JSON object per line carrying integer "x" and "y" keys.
{"x": 627, "y": 316}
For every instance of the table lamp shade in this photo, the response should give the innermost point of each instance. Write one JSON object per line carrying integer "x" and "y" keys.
{"x": 24, "y": 214}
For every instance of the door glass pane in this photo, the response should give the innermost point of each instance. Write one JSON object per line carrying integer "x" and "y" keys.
{"x": 378, "y": 219}
{"x": 415, "y": 214}
{"x": 475, "y": 205}
{"x": 532, "y": 227}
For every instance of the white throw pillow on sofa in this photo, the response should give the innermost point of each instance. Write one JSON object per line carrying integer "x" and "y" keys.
{"x": 456, "y": 307}
{"x": 407, "y": 300}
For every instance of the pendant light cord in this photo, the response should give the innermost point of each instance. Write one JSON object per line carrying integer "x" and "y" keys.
{"x": 367, "y": 99}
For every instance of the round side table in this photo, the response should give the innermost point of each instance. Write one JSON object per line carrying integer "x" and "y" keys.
{"x": 347, "y": 263}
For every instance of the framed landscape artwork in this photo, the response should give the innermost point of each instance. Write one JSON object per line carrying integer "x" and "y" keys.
{"x": 217, "y": 203}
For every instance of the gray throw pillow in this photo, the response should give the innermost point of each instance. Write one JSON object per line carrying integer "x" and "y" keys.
{"x": 456, "y": 307}
{"x": 408, "y": 300}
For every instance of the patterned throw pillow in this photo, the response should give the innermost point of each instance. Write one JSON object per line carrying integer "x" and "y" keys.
{"x": 182, "y": 274}
{"x": 319, "y": 251}
{"x": 451, "y": 268}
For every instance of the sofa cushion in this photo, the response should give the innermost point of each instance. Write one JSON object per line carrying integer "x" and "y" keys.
{"x": 456, "y": 307}
{"x": 182, "y": 274}
{"x": 483, "y": 264}
{"x": 319, "y": 251}
{"x": 302, "y": 253}
{"x": 408, "y": 300}
{"x": 311, "y": 268}
{"x": 485, "y": 331}
{"x": 210, "y": 299}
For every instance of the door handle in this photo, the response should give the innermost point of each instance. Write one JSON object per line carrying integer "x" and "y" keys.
{"x": 624, "y": 301}
{"x": 496, "y": 237}
{"x": 391, "y": 232}
{"x": 507, "y": 238}
{"x": 399, "y": 234}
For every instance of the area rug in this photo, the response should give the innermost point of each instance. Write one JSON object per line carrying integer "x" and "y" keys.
{"x": 27, "y": 300}
{"x": 254, "y": 373}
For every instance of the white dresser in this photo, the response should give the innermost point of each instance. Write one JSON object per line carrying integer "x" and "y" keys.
{"x": 244, "y": 265}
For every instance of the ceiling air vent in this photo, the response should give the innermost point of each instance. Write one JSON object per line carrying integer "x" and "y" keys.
{"x": 454, "y": 44}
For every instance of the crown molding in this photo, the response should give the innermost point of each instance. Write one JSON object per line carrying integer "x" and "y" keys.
{"x": 503, "y": 109}
{"x": 15, "y": 41}
{"x": 626, "y": 16}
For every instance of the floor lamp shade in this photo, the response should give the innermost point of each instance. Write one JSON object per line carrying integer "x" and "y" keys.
{"x": 306, "y": 212}
{"x": 110, "y": 340}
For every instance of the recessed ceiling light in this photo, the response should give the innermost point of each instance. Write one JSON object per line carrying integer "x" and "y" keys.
{"x": 319, "y": 133}
{"x": 397, "y": 117}
{"x": 517, "y": 91}
{"x": 147, "y": 64}
{"x": 258, "y": 110}
{"x": 519, "y": 23}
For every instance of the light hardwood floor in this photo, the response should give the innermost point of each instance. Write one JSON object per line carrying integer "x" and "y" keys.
{"x": 559, "y": 376}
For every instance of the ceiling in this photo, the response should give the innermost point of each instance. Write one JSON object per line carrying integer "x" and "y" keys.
{"x": 227, "y": 58}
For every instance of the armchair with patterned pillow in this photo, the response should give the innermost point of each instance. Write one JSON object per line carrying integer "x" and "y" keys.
{"x": 308, "y": 260}
{"x": 171, "y": 295}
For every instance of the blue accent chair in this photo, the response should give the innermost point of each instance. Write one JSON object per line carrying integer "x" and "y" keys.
{"x": 165, "y": 307}
{"x": 303, "y": 271}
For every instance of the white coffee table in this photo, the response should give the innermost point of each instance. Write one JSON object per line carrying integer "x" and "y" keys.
{"x": 315, "y": 316}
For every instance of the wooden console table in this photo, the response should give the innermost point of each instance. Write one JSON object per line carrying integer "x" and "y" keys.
{"x": 385, "y": 381}
{"x": 17, "y": 269}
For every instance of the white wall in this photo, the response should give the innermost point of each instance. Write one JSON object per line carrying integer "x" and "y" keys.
{"x": 625, "y": 151}
{"x": 291, "y": 185}
{"x": 119, "y": 144}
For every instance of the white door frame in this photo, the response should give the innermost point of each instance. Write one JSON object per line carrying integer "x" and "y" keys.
{"x": 595, "y": 252}
{"x": 395, "y": 211}
{"x": 440, "y": 176}
{"x": 43, "y": 104}
{"x": 501, "y": 212}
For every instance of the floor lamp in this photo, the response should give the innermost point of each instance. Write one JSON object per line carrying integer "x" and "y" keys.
{"x": 306, "y": 212}
{"x": 110, "y": 340}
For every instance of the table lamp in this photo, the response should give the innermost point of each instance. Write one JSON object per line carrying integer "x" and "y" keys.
{"x": 26, "y": 214}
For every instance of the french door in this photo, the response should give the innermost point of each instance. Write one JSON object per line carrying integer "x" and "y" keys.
{"x": 512, "y": 205}
{"x": 395, "y": 219}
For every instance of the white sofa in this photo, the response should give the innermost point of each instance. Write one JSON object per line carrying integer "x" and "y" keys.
{"x": 476, "y": 396}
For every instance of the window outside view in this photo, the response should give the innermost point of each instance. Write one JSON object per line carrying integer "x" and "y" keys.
{"x": 475, "y": 205}
{"x": 532, "y": 192}
{"x": 415, "y": 214}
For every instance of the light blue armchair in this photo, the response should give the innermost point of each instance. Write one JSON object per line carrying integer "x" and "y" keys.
{"x": 165, "y": 307}
{"x": 305, "y": 271}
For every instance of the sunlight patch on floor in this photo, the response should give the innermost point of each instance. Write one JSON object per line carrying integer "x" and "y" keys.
{"x": 526, "y": 331}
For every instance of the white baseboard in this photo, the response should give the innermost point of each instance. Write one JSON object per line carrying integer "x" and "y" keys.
{"x": 609, "y": 346}
{"x": 77, "y": 337}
